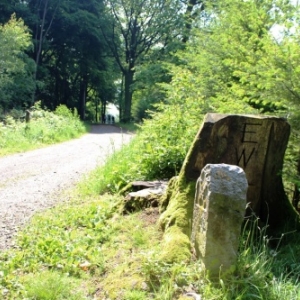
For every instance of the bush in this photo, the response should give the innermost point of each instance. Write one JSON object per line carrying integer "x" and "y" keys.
{"x": 63, "y": 111}
{"x": 44, "y": 128}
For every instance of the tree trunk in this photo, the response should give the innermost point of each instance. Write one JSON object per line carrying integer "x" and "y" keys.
{"x": 96, "y": 110}
{"x": 82, "y": 98}
{"x": 41, "y": 32}
{"x": 121, "y": 100}
{"x": 103, "y": 110}
{"x": 39, "y": 38}
{"x": 128, "y": 77}
{"x": 189, "y": 18}
{"x": 255, "y": 143}
{"x": 56, "y": 100}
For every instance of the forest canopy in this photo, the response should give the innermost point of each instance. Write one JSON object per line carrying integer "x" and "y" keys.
{"x": 88, "y": 54}
{"x": 144, "y": 55}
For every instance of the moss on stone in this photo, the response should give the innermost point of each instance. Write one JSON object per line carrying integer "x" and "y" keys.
{"x": 176, "y": 246}
{"x": 127, "y": 189}
{"x": 164, "y": 201}
{"x": 180, "y": 209}
{"x": 176, "y": 220}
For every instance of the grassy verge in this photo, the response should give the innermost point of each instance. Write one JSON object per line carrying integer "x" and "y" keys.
{"x": 44, "y": 128}
{"x": 86, "y": 249}
{"x": 132, "y": 127}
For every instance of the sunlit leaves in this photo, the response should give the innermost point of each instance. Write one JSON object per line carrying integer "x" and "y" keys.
{"x": 15, "y": 66}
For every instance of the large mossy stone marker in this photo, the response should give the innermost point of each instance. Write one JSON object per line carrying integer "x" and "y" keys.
{"x": 219, "y": 211}
{"x": 255, "y": 143}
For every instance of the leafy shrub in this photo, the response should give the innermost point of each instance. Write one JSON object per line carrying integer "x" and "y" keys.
{"x": 64, "y": 111}
{"x": 44, "y": 128}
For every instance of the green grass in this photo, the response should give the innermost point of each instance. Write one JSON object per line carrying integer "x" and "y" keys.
{"x": 132, "y": 127}
{"x": 116, "y": 173}
{"x": 86, "y": 249}
{"x": 51, "y": 285}
{"x": 45, "y": 128}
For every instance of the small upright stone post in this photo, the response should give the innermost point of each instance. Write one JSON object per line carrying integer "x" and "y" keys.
{"x": 219, "y": 211}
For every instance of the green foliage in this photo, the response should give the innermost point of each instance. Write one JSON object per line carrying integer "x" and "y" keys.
{"x": 64, "y": 111}
{"x": 261, "y": 271}
{"x": 217, "y": 73}
{"x": 150, "y": 155}
{"x": 248, "y": 53}
{"x": 134, "y": 295}
{"x": 66, "y": 241}
{"x": 147, "y": 89}
{"x": 44, "y": 128}
{"x": 139, "y": 27}
{"x": 16, "y": 68}
{"x": 114, "y": 175}
{"x": 158, "y": 150}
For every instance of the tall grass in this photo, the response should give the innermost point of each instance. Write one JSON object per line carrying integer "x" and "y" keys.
{"x": 120, "y": 168}
{"x": 262, "y": 267}
{"x": 44, "y": 128}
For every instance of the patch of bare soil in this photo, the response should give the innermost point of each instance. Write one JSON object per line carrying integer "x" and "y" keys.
{"x": 150, "y": 216}
{"x": 34, "y": 181}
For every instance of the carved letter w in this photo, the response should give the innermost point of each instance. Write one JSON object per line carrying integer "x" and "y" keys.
{"x": 244, "y": 156}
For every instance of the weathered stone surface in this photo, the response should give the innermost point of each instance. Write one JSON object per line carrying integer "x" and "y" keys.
{"x": 135, "y": 186}
{"x": 255, "y": 143}
{"x": 219, "y": 210}
{"x": 144, "y": 197}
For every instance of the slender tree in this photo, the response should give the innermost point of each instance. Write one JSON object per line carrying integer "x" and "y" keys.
{"x": 16, "y": 67}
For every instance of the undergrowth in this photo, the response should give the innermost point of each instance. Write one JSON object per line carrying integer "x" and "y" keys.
{"x": 44, "y": 128}
{"x": 86, "y": 249}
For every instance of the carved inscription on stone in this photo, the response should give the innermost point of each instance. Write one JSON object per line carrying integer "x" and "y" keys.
{"x": 255, "y": 143}
{"x": 249, "y": 142}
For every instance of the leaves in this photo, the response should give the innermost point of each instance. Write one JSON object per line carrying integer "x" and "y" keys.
{"x": 16, "y": 82}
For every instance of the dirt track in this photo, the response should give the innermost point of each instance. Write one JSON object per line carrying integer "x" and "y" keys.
{"x": 33, "y": 181}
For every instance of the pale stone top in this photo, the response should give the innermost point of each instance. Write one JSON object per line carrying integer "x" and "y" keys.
{"x": 229, "y": 180}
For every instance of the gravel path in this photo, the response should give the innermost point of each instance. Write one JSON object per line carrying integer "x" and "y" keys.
{"x": 33, "y": 181}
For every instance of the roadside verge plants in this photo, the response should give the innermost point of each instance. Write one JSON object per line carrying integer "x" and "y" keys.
{"x": 44, "y": 128}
